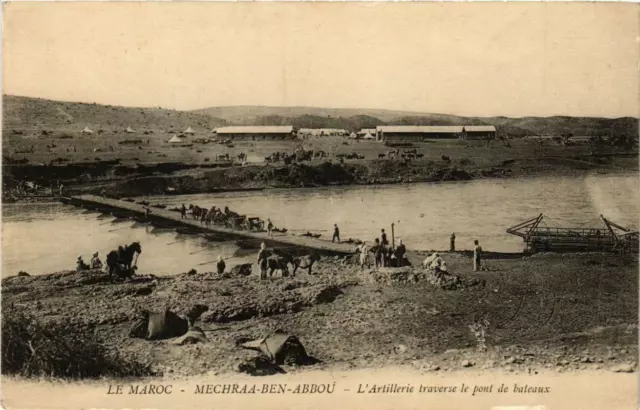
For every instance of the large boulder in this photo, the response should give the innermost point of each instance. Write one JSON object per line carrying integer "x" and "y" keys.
{"x": 241, "y": 270}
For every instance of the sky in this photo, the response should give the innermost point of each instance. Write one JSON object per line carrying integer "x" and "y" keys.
{"x": 484, "y": 59}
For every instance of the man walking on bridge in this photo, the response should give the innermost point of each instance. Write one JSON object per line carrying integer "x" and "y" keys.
{"x": 183, "y": 212}
{"x": 336, "y": 233}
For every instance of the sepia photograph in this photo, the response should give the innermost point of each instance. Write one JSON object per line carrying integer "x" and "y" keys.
{"x": 320, "y": 205}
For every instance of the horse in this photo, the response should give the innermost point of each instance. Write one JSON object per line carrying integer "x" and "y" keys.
{"x": 119, "y": 262}
{"x": 305, "y": 262}
{"x": 196, "y": 211}
{"x": 277, "y": 262}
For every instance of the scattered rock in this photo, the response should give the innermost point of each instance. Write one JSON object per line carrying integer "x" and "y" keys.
{"x": 399, "y": 349}
{"x": 586, "y": 360}
{"x": 510, "y": 360}
{"x": 467, "y": 363}
{"x": 624, "y": 368}
{"x": 259, "y": 366}
{"x": 241, "y": 270}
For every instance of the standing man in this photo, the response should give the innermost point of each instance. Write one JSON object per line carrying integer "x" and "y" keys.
{"x": 96, "y": 263}
{"x": 384, "y": 243}
{"x": 220, "y": 266}
{"x": 452, "y": 243}
{"x": 383, "y": 239}
{"x": 61, "y": 189}
{"x": 262, "y": 261}
{"x": 377, "y": 251}
{"x": 183, "y": 212}
{"x": 364, "y": 255}
{"x": 477, "y": 251}
{"x": 401, "y": 252}
{"x": 336, "y": 233}
{"x": 269, "y": 227}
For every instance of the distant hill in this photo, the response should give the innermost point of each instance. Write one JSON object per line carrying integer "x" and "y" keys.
{"x": 355, "y": 119}
{"x": 27, "y": 113}
{"x": 35, "y": 113}
{"x": 248, "y": 114}
{"x": 579, "y": 126}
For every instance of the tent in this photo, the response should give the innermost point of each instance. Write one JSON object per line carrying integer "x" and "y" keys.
{"x": 189, "y": 131}
{"x": 280, "y": 348}
{"x": 175, "y": 139}
{"x": 353, "y": 135}
{"x": 86, "y": 130}
{"x": 129, "y": 130}
{"x": 368, "y": 136}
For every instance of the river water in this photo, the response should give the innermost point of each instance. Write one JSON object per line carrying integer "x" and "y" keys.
{"x": 43, "y": 238}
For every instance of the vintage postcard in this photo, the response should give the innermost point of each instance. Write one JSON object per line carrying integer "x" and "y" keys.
{"x": 320, "y": 205}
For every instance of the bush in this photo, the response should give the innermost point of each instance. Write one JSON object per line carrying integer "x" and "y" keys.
{"x": 64, "y": 350}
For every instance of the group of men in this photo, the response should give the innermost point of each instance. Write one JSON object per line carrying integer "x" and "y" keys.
{"x": 384, "y": 255}
{"x": 95, "y": 263}
{"x": 436, "y": 263}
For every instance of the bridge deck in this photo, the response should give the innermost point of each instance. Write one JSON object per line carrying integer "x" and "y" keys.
{"x": 160, "y": 215}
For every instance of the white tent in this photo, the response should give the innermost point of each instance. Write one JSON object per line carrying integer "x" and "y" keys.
{"x": 86, "y": 130}
{"x": 175, "y": 139}
{"x": 189, "y": 131}
{"x": 129, "y": 130}
{"x": 368, "y": 136}
{"x": 353, "y": 135}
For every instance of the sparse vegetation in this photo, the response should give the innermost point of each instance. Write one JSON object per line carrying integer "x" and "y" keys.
{"x": 63, "y": 350}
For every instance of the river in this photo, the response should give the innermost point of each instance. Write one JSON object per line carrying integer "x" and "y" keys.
{"x": 44, "y": 238}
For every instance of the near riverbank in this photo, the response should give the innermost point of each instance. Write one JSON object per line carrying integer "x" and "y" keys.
{"x": 548, "y": 312}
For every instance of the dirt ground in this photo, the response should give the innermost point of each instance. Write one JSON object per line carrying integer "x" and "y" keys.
{"x": 155, "y": 167}
{"x": 549, "y": 311}
{"x": 73, "y": 147}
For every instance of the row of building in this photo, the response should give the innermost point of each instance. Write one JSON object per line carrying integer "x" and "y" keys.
{"x": 382, "y": 133}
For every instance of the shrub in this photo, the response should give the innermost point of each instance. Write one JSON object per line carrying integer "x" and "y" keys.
{"x": 65, "y": 350}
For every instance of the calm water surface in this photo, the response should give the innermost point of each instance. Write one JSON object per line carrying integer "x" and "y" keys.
{"x": 43, "y": 238}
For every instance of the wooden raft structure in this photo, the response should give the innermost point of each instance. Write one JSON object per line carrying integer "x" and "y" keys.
{"x": 610, "y": 237}
{"x": 172, "y": 219}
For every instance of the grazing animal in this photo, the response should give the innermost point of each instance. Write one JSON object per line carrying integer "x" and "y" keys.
{"x": 305, "y": 262}
{"x": 419, "y": 155}
{"x": 446, "y": 158}
{"x": 119, "y": 262}
{"x": 380, "y": 156}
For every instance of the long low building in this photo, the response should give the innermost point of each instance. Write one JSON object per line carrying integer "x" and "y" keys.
{"x": 416, "y": 133}
{"x": 257, "y": 132}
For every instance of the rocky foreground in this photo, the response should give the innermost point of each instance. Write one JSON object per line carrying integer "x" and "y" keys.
{"x": 548, "y": 311}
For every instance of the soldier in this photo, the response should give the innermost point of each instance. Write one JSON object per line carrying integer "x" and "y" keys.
{"x": 477, "y": 251}
{"x": 220, "y": 265}
{"x": 183, "y": 212}
{"x": 96, "y": 263}
{"x": 401, "y": 252}
{"x": 336, "y": 233}
{"x": 452, "y": 243}
{"x": 364, "y": 255}
{"x": 262, "y": 261}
